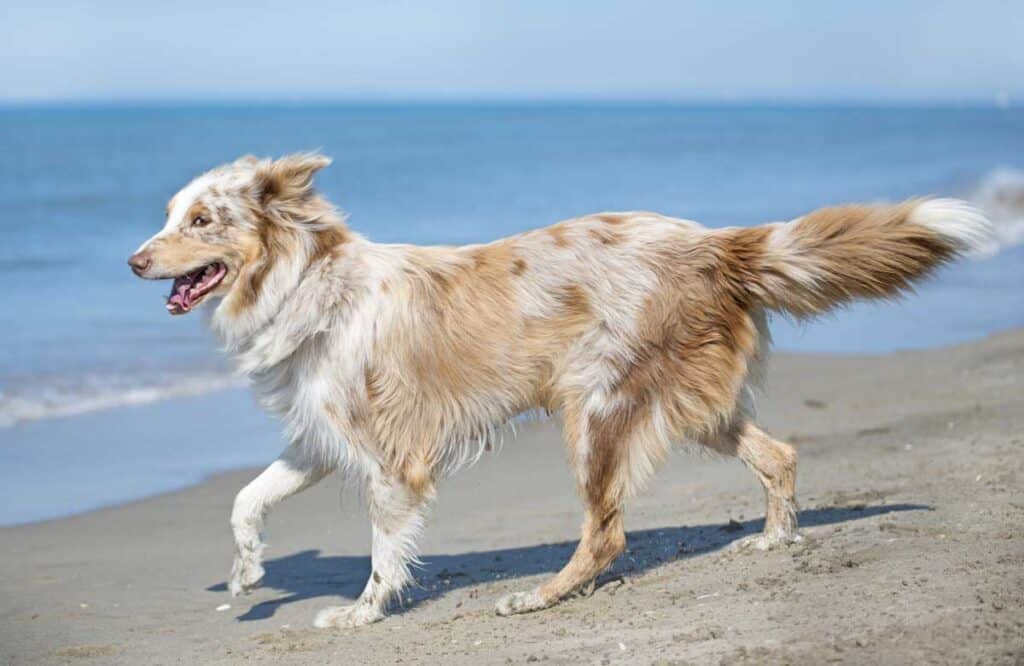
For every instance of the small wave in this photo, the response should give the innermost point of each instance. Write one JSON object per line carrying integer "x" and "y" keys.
{"x": 46, "y": 399}
{"x": 1000, "y": 193}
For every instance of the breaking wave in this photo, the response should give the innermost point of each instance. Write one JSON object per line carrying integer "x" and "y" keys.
{"x": 1000, "y": 193}
{"x": 39, "y": 398}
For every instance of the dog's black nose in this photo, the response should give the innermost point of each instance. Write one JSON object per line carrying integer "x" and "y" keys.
{"x": 139, "y": 262}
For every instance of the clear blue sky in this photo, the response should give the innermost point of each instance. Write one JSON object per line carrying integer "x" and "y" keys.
{"x": 485, "y": 49}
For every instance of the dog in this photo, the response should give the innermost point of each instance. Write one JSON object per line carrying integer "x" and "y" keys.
{"x": 400, "y": 362}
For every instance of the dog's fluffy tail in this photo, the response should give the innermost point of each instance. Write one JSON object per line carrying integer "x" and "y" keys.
{"x": 835, "y": 255}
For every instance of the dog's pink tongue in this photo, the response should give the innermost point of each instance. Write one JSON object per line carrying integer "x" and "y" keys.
{"x": 177, "y": 302}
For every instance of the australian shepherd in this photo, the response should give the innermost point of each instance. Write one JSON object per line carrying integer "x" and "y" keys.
{"x": 399, "y": 362}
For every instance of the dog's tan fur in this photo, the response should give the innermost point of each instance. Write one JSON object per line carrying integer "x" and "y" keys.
{"x": 639, "y": 330}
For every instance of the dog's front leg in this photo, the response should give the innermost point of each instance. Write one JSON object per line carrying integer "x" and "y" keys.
{"x": 292, "y": 472}
{"x": 397, "y": 513}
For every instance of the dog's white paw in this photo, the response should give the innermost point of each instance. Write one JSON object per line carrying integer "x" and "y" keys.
{"x": 520, "y": 602}
{"x": 766, "y": 541}
{"x": 347, "y": 617}
{"x": 246, "y": 575}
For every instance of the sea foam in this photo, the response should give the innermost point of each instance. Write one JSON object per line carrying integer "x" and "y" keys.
{"x": 47, "y": 397}
{"x": 1000, "y": 194}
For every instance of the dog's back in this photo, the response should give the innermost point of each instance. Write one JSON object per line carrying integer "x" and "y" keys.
{"x": 651, "y": 323}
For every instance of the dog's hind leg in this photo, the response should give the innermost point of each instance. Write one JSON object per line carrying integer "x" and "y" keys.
{"x": 397, "y": 513}
{"x": 613, "y": 451}
{"x": 774, "y": 464}
{"x": 603, "y": 539}
{"x": 291, "y": 473}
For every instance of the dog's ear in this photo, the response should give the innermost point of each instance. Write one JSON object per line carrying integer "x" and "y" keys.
{"x": 289, "y": 178}
{"x": 247, "y": 160}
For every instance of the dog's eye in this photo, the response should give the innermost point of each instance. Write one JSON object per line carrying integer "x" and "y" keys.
{"x": 200, "y": 221}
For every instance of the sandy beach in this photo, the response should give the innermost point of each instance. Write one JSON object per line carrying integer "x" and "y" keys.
{"x": 911, "y": 471}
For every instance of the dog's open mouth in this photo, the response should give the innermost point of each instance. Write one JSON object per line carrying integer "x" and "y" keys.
{"x": 189, "y": 289}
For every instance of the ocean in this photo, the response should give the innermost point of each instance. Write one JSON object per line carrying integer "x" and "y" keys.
{"x": 82, "y": 187}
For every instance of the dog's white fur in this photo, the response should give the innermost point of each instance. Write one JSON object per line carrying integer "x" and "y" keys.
{"x": 400, "y": 362}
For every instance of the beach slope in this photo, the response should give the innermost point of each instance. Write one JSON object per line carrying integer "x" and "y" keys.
{"x": 911, "y": 470}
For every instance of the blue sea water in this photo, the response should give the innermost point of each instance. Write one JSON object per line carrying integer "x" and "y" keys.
{"x": 82, "y": 187}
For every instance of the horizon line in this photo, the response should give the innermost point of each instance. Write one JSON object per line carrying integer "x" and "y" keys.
{"x": 999, "y": 102}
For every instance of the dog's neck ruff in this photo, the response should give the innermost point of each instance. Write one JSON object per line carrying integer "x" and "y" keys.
{"x": 297, "y": 299}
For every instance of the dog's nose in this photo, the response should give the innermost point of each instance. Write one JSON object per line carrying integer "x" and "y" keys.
{"x": 139, "y": 262}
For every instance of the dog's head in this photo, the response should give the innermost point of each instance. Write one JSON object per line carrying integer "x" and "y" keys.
{"x": 225, "y": 228}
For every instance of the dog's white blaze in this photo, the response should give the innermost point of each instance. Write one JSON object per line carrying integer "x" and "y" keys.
{"x": 183, "y": 201}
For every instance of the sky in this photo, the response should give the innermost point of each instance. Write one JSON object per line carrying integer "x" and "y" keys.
{"x": 726, "y": 50}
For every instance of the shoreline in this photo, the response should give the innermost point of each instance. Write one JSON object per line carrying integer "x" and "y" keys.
{"x": 138, "y": 451}
{"x": 910, "y": 470}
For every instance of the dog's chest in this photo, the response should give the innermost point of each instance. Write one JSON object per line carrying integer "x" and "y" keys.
{"x": 320, "y": 390}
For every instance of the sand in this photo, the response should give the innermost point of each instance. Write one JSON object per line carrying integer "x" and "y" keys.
{"x": 910, "y": 485}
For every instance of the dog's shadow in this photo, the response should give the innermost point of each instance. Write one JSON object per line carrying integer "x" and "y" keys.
{"x": 307, "y": 575}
